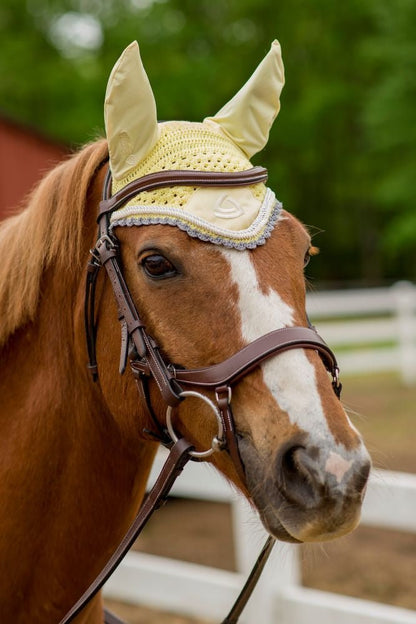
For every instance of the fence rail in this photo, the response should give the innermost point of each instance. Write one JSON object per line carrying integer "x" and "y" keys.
{"x": 372, "y": 330}
{"x": 200, "y": 591}
{"x": 390, "y": 502}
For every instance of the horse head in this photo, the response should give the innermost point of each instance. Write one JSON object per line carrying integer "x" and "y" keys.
{"x": 211, "y": 269}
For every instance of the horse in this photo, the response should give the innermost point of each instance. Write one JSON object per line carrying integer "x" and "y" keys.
{"x": 211, "y": 269}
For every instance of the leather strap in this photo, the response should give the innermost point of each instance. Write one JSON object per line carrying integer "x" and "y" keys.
{"x": 223, "y": 396}
{"x": 244, "y": 595}
{"x": 219, "y": 377}
{"x": 251, "y": 582}
{"x": 89, "y": 315}
{"x": 107, "y": 252}
{"x": 110, "y": 618}
{"x": 239, "y": 364}
{"x": 177, "y": 458}
{"x": 180, "y": 178}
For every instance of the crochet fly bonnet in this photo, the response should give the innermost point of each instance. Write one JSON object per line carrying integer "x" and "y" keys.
{"x": 240, "y": 217}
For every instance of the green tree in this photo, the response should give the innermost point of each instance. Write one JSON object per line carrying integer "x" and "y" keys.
{"x": 389, "y": 118}
{"x": 341, "y": 153}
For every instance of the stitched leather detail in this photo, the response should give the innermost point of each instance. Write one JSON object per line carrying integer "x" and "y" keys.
{"x": 181, "y": 178}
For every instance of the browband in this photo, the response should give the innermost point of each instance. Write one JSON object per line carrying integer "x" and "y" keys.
{"x": 177, "y": 177}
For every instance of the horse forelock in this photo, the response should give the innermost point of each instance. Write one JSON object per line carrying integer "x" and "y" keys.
{"x": 49, "y": 231}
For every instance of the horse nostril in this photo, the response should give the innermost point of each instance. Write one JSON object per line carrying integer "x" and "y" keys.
{"x": 289, "y": 462}
{"x": 299, "y": 477}
{"x": 308, "y": 477}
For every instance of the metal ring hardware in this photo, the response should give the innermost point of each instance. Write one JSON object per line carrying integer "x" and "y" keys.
{"x": 216, "y": 440}
{"x": 229, "y": 397}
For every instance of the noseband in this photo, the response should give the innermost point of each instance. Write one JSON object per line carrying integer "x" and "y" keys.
{"x": 174, "y": 383}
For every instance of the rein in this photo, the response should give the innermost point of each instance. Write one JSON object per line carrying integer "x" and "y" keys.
{"x": 175, "y": 384}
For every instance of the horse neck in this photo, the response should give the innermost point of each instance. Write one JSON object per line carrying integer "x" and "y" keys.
{"x": 45, "y": 365}
{"x": 79, "y": 475}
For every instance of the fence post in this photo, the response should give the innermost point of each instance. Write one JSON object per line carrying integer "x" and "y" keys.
{"x": 404, "y": 294}
{"x": 281, "y": 570}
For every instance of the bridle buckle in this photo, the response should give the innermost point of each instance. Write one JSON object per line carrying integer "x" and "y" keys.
{"x": 106, "y": 240}
{"x": 220, "y": 396}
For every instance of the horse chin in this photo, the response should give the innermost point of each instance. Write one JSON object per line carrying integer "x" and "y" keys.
{"x": 298, "y": 530}
{"x": 273, "y": 526}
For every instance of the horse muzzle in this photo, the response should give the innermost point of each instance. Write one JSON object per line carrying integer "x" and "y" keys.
{"x": 308, "y": 492}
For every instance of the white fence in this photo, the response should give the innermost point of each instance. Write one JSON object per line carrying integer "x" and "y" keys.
{"x": 279, "y": 598}
{"x": 390, "y": 502}
{"x": 371, "y": 330}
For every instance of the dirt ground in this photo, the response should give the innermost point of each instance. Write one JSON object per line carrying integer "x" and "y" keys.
{"x": 370, "y": 563}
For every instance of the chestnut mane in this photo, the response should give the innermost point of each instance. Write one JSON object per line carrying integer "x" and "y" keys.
{"x": 49, "y": 230}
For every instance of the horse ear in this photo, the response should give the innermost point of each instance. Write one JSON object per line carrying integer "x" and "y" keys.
{"x": 248, "y": 117}
{"x": 130, "y": 113}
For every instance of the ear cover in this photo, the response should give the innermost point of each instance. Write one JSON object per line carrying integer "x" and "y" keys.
{"x": 130, "y": 113}
{"x": 249, "y": 115}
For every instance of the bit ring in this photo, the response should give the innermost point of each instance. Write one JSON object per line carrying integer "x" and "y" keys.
{"x": 217, "y": 441}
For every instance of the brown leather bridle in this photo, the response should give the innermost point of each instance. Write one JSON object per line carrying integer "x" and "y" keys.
{"x": 174, "y": 383}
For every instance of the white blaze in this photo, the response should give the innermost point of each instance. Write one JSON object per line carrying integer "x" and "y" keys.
{"x": 290, "y": 376}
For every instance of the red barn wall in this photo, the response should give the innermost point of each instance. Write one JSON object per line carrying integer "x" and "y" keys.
{"x": 25, "y": 156}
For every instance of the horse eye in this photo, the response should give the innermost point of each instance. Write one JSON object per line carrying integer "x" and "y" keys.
{"x": 306, "y": 259}
{"x": 157, "y": 266}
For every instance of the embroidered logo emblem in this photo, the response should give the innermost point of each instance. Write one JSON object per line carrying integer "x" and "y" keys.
{"x": 227, "y": 207}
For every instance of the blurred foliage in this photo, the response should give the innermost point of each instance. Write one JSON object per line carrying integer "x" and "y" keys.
{"x": 342, "y": 152}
